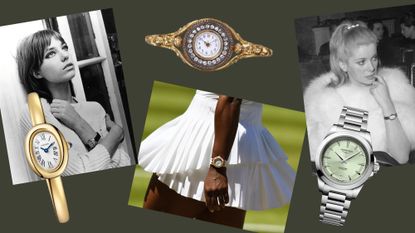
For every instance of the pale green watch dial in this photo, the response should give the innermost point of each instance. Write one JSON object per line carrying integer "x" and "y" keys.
{"x": 344, "y": 160}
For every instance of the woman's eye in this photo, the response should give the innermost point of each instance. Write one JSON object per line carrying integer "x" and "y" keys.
{"x": 50, "y": 54}
{"x": 65, "y": 47}
{"x": 361, "y": 63}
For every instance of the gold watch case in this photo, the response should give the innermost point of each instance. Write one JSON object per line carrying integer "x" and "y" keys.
{"x": 208, "y": 45}
{"x": 62, "y": 146}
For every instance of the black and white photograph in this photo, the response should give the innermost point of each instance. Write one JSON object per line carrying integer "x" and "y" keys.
{"x": 74, "y": 64}
{"x": 357, "y": 71}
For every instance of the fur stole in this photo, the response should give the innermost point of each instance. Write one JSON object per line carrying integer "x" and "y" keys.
{"x": 323, "y": 104}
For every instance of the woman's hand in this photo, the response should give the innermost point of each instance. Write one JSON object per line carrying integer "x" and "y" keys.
{"x": 108, "y": 122}
{"x": 380, "y": 92}
{"x": 65, "y": 112}
{"x": 216, "y": 189}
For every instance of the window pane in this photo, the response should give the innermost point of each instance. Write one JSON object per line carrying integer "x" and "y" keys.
{"x": 83, "y": 36}
{"x": 94, "y": 86}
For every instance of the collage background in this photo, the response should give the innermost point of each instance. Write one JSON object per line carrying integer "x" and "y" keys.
{"x": 98, "y": 202}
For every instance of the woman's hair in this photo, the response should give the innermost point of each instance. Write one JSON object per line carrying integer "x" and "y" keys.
{"x": 347, "y": 36}
{"x": 30, "y": 54}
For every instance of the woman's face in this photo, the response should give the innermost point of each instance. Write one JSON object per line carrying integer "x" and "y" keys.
{"x": 57, "y": 66}
{"x": 362, "y": 64}
{"x": 407, "y": 32}
{"x": 378, "y": 30}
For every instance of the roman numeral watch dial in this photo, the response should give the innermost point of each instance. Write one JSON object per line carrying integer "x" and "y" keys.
{"x": 208, "y": 45}
{"x": 46, "y": 150}
{"x": 47, "y": 154}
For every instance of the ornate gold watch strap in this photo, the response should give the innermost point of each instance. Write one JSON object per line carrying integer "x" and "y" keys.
{"x": 35, "y": 109}
{"x": 245, "y": 49}
{"x": 169, "y": 41}
{"x": 57, "y": 194}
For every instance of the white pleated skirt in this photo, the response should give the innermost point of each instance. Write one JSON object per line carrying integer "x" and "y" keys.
{"x": 179, "y": 152}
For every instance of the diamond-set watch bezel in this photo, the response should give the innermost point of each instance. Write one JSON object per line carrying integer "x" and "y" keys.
{"x": 225, "y": 54}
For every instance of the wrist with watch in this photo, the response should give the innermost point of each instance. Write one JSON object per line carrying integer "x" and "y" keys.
{"x": 208, "y": 45}
{"x": 343, "y": 163}
{"x": 47, "y": 154}
{"x": 92, "y": 142}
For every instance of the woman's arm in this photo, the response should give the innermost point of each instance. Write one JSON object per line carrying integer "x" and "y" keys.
{"x": 226, "y": 125}
{"x": 397, "y": 142}
{"x": 65, "y": 112}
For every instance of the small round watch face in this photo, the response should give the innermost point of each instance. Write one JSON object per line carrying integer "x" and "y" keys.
{"x": 344, "y": 160}
{"x": 46, "y": 150}
{"x": 208, "y": 44}
{"x": 218, "y": 163}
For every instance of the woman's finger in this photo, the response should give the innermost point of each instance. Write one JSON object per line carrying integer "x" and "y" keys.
{"x": 380, "y": 79}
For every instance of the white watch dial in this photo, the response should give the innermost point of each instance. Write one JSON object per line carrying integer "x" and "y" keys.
{"x": 208, "y": 44}
{"x": 46, "y": 150}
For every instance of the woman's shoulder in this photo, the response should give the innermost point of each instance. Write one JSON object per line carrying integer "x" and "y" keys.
{"x": 320, "y": 93}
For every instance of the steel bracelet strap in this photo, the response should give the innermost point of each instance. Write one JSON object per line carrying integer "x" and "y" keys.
{"x": 334, "y": 204}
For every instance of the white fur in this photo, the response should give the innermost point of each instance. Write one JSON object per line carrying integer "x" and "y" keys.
{"x": 323, "y": 105}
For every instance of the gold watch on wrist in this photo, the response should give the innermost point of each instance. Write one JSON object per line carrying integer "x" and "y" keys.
{"x": 218, "y": 162}
{"x": 47, "y": 154}
{"x": 208, "y": 45}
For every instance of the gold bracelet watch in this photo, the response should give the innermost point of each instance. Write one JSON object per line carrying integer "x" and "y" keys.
{"x": 208, "y": 45}
{"x": 47, "y": 153}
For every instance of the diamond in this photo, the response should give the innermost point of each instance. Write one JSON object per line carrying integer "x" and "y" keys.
{"x": 209, "y": 63}
{"x": 194, "y": 31}
{"x": 218, "y": 59}
{"x": 200, "y": 61}
{"x": 202, "y": 27}
{"x": 222, "y": 56}
{"x": 191, "y": 35}
{"x": 224, "y": 52}
{"x": 190, "y": 41}
{"x": 195, "y": 59}
{"x": 212, "y": 26}
{"x": 216, "y": 28}
{"x": 189, "y": 46}
{"x": 225, "y": 48}
{"x": 223, "y": 34}
{"x": 204, "y": 63}
{"x": 226, "y": 43}
{"x": 190, "y": 50}
{"x": 207, "y": 26}
{"x": 214, "y": 62}
{"x": 198, "y": 28}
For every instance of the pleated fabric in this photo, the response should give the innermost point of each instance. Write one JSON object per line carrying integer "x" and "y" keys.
{"x": 259, "y": 176}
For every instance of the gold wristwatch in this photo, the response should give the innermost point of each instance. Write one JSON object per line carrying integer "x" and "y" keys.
{"x": 47, "y": 153}
{"x": 208, "y": 45}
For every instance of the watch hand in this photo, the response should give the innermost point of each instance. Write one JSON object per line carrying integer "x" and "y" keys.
{"x": 339, "y": 156}
{"x": 53, "y": 143}
{"x": 352, "y": 156}
{"x": 44, "y": 149}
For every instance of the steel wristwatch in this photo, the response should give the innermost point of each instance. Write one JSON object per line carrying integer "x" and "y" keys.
{"x": 343, "y": 163}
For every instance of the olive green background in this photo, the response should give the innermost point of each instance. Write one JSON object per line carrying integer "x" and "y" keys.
{"x": 98, "y": 201}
